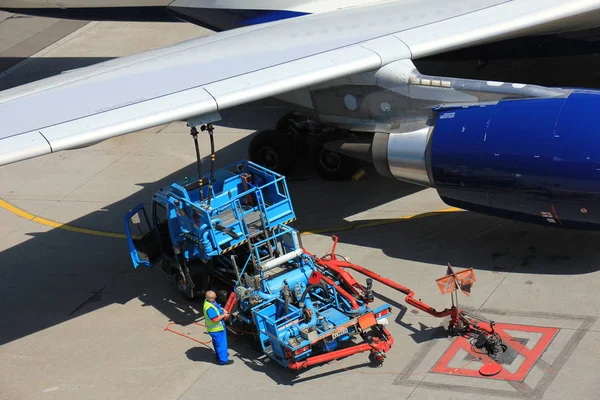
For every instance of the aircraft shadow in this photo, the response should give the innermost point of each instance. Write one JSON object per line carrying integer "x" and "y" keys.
{"x": 40, "y": 68}
{"x": 59, "y": 275}
{"x": 466, "y": 240}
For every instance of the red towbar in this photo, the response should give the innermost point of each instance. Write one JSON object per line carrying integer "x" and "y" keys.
{"x": 334, "y": 265}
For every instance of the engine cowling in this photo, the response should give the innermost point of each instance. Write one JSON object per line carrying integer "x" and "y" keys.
{"x": 536, "y": 160}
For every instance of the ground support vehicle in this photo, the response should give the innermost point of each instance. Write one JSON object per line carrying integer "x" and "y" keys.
{"x": 229, "y": 234}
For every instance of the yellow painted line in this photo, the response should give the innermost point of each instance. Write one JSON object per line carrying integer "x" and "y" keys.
{"x": 369, "y": 224}
{"x": 356, "y": 225}
{"x": 53, "y": 224}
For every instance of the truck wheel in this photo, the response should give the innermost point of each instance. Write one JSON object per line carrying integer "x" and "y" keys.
{"x": 274, "y": 150}
{"x": 184, "y": 289}
{"x": 331, "y": 165}
{"x": 250, "y": 334}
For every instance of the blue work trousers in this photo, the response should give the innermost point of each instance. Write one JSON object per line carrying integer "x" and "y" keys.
{"x": 219, "y": 340}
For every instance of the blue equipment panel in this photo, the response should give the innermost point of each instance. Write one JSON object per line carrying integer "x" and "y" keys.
{"x": 245, "y": 198}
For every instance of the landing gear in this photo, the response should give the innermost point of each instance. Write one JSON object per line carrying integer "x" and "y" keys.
{"x": 274, "y": 150}
{"x": 481, "y": 64}
{"x": 280, "y": 149}
{"x": 331, "y": 165}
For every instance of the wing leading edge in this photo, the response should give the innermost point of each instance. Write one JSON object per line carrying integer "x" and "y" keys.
{"x": 202, "y": 76}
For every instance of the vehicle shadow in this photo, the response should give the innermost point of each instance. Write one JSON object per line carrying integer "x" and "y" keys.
{"x": 55, "y": 275}
{"x": 240, "y": 347}
{"x": 50, "y": 276}
{"x": 58, "y": 275}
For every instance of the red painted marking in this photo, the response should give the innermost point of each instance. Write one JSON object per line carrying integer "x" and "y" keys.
{"x": 530, "y": 356}
{"x": 490, "y": 369}
{"x": 555, "y": 214}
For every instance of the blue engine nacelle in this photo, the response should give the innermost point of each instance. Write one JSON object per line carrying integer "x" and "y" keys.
{"x": 535, "y": 160}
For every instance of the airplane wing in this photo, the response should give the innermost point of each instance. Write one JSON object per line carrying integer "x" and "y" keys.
{"x": 197, "y": 78}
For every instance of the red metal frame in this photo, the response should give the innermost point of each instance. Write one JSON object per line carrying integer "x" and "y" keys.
{"x": 377, "y": 347}
{"x": 334, "y": 265}
{"x": 341, "y": 291}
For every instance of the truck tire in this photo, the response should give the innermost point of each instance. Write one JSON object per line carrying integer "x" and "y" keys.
{"x": 184, "y": 290}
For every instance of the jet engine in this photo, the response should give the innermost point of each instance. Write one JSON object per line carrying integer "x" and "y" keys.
{"x": 535, "y": 160}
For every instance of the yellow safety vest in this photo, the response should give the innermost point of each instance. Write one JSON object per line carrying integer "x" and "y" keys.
{"x": 211, "y": 326}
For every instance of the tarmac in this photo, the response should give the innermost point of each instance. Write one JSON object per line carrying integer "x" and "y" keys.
{"x": 77, "y": 321}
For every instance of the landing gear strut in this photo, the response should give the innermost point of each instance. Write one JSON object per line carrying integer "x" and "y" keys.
{"x": 295, "y": 135}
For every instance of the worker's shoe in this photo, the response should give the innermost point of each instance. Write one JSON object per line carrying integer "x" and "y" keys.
{"x": 229, "y": 362}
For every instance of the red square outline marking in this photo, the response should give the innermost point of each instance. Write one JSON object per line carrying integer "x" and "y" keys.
{"x": 531, "y": 356}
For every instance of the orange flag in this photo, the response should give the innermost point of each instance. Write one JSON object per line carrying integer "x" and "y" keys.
{"x": 452, "y": 281}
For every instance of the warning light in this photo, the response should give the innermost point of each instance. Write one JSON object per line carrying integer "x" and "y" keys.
{"x": 382, "y": 313}
{"x": 302, "y": 350}
{"x": 196, "y": 218}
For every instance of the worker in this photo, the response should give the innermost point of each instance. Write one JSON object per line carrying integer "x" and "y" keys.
{"x": 213, "y": 318}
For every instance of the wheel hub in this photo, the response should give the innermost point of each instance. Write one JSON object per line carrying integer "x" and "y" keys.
{"x": 184, "y": 288}
{"x": 269, "y": 157}
{"x": 330, "y": 160}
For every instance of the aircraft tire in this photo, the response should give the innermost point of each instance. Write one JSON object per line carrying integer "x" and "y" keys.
{"x": 330, "y": 165}
{"x": 274, "y": 150}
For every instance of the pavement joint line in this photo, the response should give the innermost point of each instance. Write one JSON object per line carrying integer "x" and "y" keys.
{"x": 29, "y": 347}
{"x": 50, "y": 289}
{"x": 26, "y": 39}
{"x": 499, "y": 284}
{"x": 59, "y": 225}
{"x": 496, "y": 288}
{"x": 193, "y": 383}
{"x": 53, "y": 224}
{"x": 110, "y": 165}
{"x": 46, "y": 50}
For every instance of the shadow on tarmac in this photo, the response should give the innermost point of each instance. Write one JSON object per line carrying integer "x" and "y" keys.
{"x": 41, "y": 68}
{"x": 59, "y": 275}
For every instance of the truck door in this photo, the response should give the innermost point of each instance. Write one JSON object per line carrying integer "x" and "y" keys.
{"x": 142, "y": 238}
{"x": 161, "y": 222}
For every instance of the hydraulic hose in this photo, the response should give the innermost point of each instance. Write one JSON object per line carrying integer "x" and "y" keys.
{"x": 310, "y": 287}
{"x": 194, "y": 133}
{"x": 210, "y": 130}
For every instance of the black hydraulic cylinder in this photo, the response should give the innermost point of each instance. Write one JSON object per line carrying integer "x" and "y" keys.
{"x": 194, "y": 133}
{"x": 209, "y": 128}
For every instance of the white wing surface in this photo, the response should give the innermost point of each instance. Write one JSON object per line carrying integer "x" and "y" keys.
{"x": 202, "y": 76}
